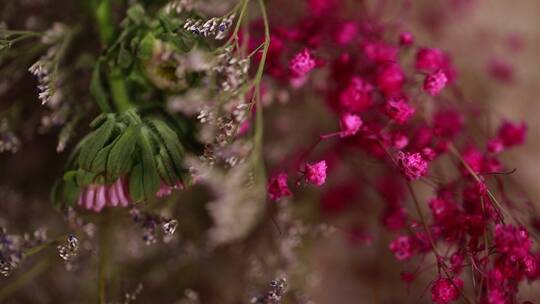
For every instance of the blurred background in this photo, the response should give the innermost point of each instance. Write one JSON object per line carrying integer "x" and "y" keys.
{"x": 495, "y": 45}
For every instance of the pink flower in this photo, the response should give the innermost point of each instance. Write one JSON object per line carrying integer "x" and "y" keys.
{"x": 530, "y": 265}
{"x": 402, "y": 247}
{"x": 302, "y": 64}
{"x": 441, "y": 209}
{"x": 406, "y": 38}
{"x": 495, "y": 145}
{"x": 277, "y": 187}
{"x": 399, "y": 140}
{"x": 428, "y": 153}
{"x": 512, "y": 240}
{"x": 429, "y": 59}
{"x": 166, "y": 190}
{"x": 501, "y": 70}
{"x": 390, "y": 79}
{"x": 350, "y": 124}
{"x": 346, "y": 33}
{"x": 456, "y": 262}
{"x": 321, "y": 7}
{"x": 395, "y": 218}
{"x": 512, "y": 134}
{"x": 96, "y": 197}
{"x": 380, "y": 52}
{"x": 474, "y": 158}
{"x": 447, "y": 123}
{"x": 445, "y": 291}
{"x": 357, "y": 96}
{"x": 316, "y": 173}
{"x": 435, "y": 83}
{"x": 496, "y": 296}
{"x": 398, "y": 110}
{"x": 413, "y": 166}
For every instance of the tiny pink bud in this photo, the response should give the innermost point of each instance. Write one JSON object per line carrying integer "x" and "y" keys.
{"x": 406, "y": 38}
{"x": 302, "y": 64}
{"x": 350, "y": 124}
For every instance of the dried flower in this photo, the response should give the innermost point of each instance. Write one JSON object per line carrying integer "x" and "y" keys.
{"x": 413, "y": 166}
{"x": 169, "y": 227}
{"x": 429, "y": 59}
{"x": 350, "y": 124}
{"x": 302, "y": 64}
{"x": 445, "y": 291}
{"x": 398, "y": 110}
{"x": 435, "y": 83}
{"x": 216, "y": 28}
{"x": 357, "y": 96}
{"x": 316, "y": 173}
{"x": 69, "y": 251}
{"x": 277, "y": 187}
{"x": 402, "y": 247}
{"x": 273, "y": 296}
{"x": 46, "y": 68}
{"x": 178, "y": 6}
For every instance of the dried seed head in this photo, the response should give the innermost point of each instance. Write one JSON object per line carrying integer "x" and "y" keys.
{"x": 69, "y": 251}
{"x": 216, "y": 27}
{"x": 169, "y": 227}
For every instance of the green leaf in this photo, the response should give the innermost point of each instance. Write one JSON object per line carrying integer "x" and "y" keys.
{"x": 98, "y": 89}
{"x": 99, "y": 163}
{"x": 98, "y": 121}
{"x": 136, "y": 185}
{"x": 70, "y": 176}
{"x": 125, "y": 59}
{"x": 84, "y": 178}
{"x": 151, "y": 179}
{"x": 171, "y": 143}
{"x": 166, "y": 167}
{"x": 70, "y": 193}
{"x": 136, "y": 14}
{"x": 165, "y": 22}
{"x": 55, "y": 196}
{"x": 146, "y": 47}
{"x": 182, "y": 43}
{"x": 121, "y": 157}
{"x": 95, "y": 142}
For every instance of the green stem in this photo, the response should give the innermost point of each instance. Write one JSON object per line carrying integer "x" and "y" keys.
{"x": 117, "y": 85}
{"x": 105, "y": 22}
{"x": 259, "y": 126}
{"x": 35, "y": 250}
{"x": 243, "y": 6}
{"x": 119, "y": 92}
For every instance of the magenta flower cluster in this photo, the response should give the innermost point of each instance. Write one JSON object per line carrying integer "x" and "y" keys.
{"x": 407, "y": 114}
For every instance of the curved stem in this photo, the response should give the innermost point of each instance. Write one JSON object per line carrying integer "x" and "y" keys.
{"x": 35, "y": 250}
{"x": 259, "y": 126}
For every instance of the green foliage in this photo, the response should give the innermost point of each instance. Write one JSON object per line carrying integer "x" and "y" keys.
{"x": 133, "y": 137}
{"x": 147, "y": 150}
